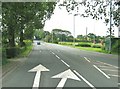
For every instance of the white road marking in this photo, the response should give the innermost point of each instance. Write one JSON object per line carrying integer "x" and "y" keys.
{"x": 108, "y": 67}
{"x": 58, "y": 50}
{"x": 87, "y": 59}
{"x": 113, "y": 75}
{"x": 101, "y": 72}
{"x": 68, "y": 74}
{"x": 118, "y": 83}
{"x": 57, "y": 56}
{"x": 86, "y": 81}
{"x": 38, "y": 69}
{"x": 108, "y": 64}
{"x": 65, "y": 63}
{"x": 109, "y": 70}
{"x": 53, "y": 53}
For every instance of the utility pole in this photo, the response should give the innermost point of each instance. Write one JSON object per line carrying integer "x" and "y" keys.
{"x": 52, "y": 37}
{"x": 86, "y": 33}
{"x": 110, "y": 45}
{"x": 74, "y": 29}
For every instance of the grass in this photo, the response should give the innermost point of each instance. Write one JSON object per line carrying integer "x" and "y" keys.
{"x": 92, "y": 49}
{"x": 70, "y": 44}
{"x": 26, "y": 52}
{"x": 27, "y": 49}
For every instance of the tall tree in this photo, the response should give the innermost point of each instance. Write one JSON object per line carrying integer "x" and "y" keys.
{"x": 16, "y": 15}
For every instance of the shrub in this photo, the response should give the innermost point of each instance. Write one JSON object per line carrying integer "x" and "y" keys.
{"x": 96, "y": 46}
{"x": 84, "y": 45}
{"x": 12, "y": 52}
{"x": 27, "y": 42}
{"x": 65, "y": 43}
{"x": 116, "y": 46}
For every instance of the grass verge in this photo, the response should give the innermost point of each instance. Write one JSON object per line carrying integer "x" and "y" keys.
{"x": 84, "y": 48}
{"x": 26, "y": 52}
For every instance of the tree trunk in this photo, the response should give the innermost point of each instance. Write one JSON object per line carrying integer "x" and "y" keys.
{"x": 11, "y": 37}
{"x": 21, "y": 38}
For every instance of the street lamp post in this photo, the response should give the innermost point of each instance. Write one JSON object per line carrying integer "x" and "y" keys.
{"x": 74, "y": 28}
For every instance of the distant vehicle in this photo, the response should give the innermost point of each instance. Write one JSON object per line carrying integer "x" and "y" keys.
{"x": 38, "y": 43}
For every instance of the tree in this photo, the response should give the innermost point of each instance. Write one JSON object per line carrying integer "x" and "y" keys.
{"x": 91, "y": 37}
{"x": 97, "y": 9}
{"x": 16, "y": 17}
{"x": 61, "y": 34}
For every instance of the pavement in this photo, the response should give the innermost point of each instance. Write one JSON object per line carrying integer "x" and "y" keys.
{"x": 54, "y": 66}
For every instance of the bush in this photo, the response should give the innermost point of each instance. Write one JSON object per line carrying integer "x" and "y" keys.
{"x": 96, "y": 46}
{"x": 84, "y": 45}
{"x": 65, "y": 43}
{"x": 12, "y": 52}
{"x": 27, "y": 42}
{"x": 116, "y": 46}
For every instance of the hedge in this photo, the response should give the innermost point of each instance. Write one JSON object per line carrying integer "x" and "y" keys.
{"x": 83, "y": 45}
{"x": 96, "y": 46}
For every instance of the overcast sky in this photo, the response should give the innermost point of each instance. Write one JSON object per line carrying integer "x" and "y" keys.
{"x": 62, "y": 20}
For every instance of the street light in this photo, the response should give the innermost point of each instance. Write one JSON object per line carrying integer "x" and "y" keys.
{"x": 74, "y": 28}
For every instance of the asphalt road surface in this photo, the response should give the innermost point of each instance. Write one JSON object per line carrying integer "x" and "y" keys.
{"x": 55, "y": 66}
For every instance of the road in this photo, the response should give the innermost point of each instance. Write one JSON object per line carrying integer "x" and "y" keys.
{"x": 53, "y": 66}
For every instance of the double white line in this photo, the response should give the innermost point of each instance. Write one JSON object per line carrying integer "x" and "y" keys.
{"x": 98, "y": 69}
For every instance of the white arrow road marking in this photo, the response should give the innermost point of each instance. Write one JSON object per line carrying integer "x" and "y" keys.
{"x": 65, "y": 75}
{"x": 38, "y": 69}
{"x": 101, "y": 72}
{"x": 84, "y": 80}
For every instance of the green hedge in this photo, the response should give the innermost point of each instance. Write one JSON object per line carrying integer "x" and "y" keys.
{"x": 116, "y": 46}
{"x": 12, "y": 52}
{"x": 65, "y": 43}
{"x": 83, "y": 45}
{"x": 96, "y": 46}
{"x": 4, "y": 58}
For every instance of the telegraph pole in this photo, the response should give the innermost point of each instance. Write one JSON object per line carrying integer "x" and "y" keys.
{"x": 86, "y": 33}
{"x": 74, "y": 29}
{"x": 110, "y": 45}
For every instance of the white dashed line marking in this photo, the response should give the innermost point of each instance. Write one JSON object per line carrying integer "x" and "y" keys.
{"x": 65, "y": 63}
{"x": 101, "y": 72}
{"x": 118, "y": 83}
{"x": 53, "y": 53}
{"x": 87, "y": 59}
{"x": 84, "y": 79}
{"x": 57, "y": 57}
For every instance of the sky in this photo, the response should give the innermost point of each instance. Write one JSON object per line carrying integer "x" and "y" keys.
{"x": 61, "y": 19}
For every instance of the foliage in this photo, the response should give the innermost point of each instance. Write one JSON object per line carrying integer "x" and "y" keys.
{"x": 96, "y": 9}
{"x": 116, "y": 46}
{"x": 96, "y": 45}
{"x": 62, "y": 35}
{"x": 83, "y": 45}
{"x": 19, "y": 16}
